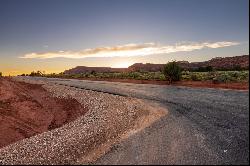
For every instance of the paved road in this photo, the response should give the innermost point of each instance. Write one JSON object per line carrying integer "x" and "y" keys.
{"x": 204, "y": 126}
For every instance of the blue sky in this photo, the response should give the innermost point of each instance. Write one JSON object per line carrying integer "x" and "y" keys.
{"x": 54, "y": 27}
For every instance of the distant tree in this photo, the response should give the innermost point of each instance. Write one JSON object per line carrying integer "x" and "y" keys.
{"x": 22, "y": 74}
{"x": 209, "y": 68}
{"x": 204, "y": 69}
{"x": 237, "y": 68}
{"x": 32, "y": 73}
{"x": 194, "y": 77}
{"x": 93, "y": 72}
{"x": 201, "y": 69}
{"x": 1, "y": 74}
{"x": 172, "y": 71}
{"x": 38, "y": 73}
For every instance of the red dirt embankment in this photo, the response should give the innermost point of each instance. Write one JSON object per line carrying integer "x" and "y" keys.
{"x": 27, "y": 110}
{"x": 204, "y": 84}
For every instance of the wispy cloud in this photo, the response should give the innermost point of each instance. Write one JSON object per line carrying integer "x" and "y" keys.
{"x": 130, "y": 50}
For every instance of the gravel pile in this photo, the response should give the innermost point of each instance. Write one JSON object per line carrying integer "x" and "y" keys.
{"x": 84, "y": 139}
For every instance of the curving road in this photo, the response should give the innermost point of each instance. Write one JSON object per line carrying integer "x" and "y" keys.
{"x": 203, "y": 126}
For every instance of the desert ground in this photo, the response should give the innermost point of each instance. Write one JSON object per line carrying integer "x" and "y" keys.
{"x": 199, "y": 84}
{"x": 98, "y": 122}
{"x": 27, "y": 110}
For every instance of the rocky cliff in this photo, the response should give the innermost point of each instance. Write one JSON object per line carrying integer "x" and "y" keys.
{"x": 226, "y": 63}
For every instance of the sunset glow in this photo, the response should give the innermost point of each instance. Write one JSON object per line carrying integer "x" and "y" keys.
{"x": 122, "y": 65}
{"x": 115, "y": 33}
{"x": 130, "y": 50}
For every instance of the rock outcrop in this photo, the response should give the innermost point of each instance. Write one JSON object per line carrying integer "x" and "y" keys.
{"x": 226, "y": 63}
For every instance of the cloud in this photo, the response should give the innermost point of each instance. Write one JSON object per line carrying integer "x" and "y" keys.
{"x": 130, "y": 50}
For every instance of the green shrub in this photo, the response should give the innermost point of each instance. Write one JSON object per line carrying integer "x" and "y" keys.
{"x": 209, "y": 68}
{"x": 162, "y": 78}
{"x": 172, "y": 71}
{"x": 224, "y": 78}
{"x": 204, "y": 69}
{"x": 211, "y": 75}
{"x": 216, "y": 76}
{"x": 194, "y": 77}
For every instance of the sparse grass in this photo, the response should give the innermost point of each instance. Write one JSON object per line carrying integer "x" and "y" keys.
{"x": 215, "y": 76}
{"x": 128, "y": 75}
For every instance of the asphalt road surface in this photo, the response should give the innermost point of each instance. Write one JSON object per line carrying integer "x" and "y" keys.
{"x": 203, "y": 126}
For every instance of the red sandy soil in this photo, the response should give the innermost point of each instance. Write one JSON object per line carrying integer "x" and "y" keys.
{"x": 205, "y": 84}
{"x": 27, "y": 110}
{"x": 210, "y": 84}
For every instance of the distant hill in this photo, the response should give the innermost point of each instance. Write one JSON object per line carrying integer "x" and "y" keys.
{"x": 219, "y": 63}
{"x": 85, "y": 69}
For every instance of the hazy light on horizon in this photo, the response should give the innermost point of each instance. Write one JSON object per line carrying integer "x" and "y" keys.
{"x": 97, "y": 33}
{"x": 122, "y": 65}
{"x": 129, "y": 50}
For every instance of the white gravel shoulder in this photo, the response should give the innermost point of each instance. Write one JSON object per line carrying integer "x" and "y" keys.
{"x": 110, "y": 118}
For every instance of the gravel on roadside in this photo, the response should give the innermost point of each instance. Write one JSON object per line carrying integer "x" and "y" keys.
{"x": 86, "y": 138}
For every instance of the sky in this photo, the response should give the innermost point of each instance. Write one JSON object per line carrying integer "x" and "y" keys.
{"x": 54, "y": 35}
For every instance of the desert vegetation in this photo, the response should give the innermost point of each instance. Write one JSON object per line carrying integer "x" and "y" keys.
{"x": 172, "y": 71}
{"x": 215, "y": 76}
{"x": 216, "y": 70}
